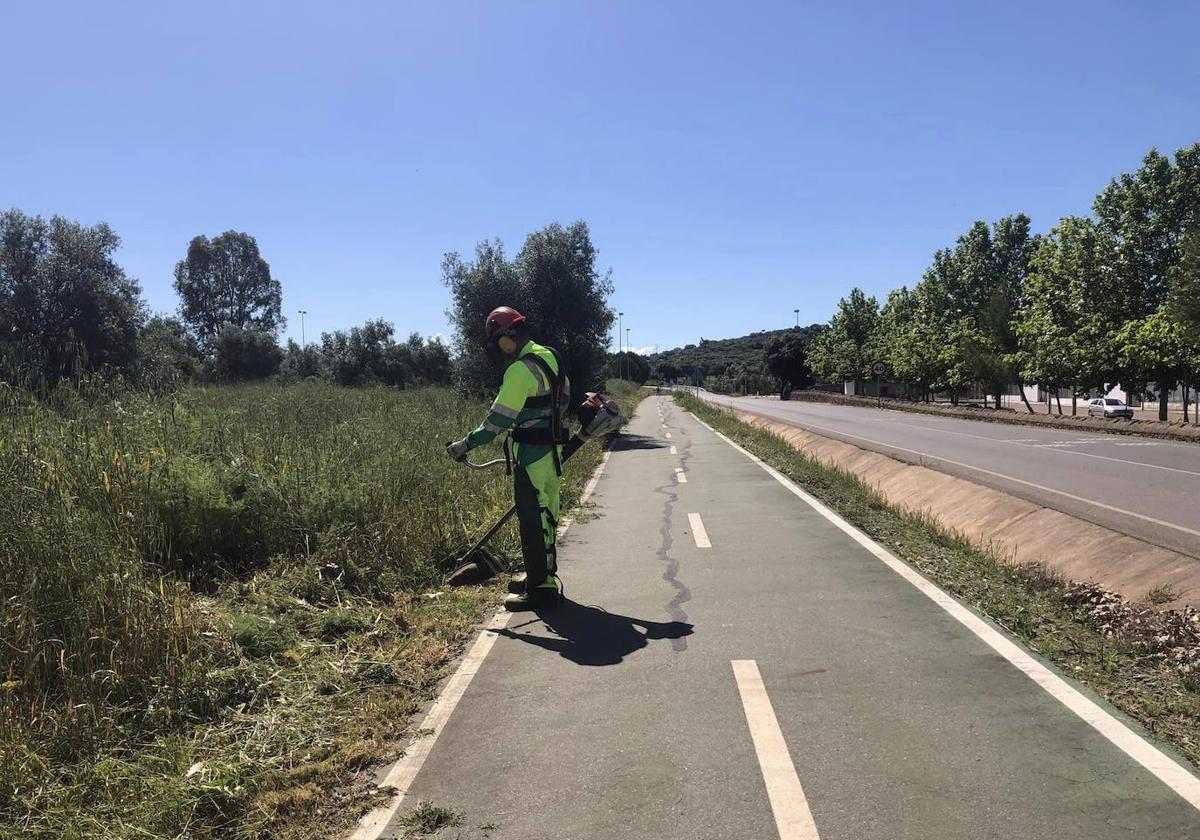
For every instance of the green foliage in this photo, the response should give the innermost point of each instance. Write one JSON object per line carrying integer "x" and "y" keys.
{"x": 225, "y": 281}
{"x": 245, "y": 354}
{"x": 846, "y": 350}
{"x": 1147, "y": 213}
{"x": 208, "y": 613}
{"x": 1155, "y": 349}
{"x": 1066, "y": 330}
{"x": 553, "y": 281}
{"x": 166, "y": 355}
{"x": 369, "y": 355}
{"x": 745, "y": 355}
{"x": 1184, "y": 297}
{"x": 65, "y": 305}
{"x": 787, "y": 358}
{"x": 628, "y": 365}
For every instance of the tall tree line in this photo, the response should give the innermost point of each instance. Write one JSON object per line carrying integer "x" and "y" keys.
{"x": 67, "y": 308}
{"x": 1095, "y": 302}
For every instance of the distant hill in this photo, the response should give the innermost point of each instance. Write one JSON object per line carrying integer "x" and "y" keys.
{"x": 716, "y": 357}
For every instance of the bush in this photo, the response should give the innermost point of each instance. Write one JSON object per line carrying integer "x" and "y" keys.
{"x": 243, "y": 354}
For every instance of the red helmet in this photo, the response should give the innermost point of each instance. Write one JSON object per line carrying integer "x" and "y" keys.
{"x": 501, "y": 320}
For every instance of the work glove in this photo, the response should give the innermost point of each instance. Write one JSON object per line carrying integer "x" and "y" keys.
{"x": 458, "y": 450}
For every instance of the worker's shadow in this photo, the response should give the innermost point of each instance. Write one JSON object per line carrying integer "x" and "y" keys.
{"x": 592, "y": 636}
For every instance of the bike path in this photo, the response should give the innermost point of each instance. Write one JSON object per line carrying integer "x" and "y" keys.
{"x": 618, "y": 715}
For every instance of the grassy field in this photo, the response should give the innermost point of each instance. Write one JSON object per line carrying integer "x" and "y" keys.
{"x": 1145, "y": 662}
{"x": 218, "y": 608}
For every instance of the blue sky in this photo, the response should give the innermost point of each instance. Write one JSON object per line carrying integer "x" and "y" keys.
{"x": 735, "y": 160}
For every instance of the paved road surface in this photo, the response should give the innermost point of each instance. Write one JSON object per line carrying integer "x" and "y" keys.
{"x": 1146, "y": 488}
{"x": 781, "y": 682}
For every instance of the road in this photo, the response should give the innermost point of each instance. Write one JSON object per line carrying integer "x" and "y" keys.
{"x": 1146, "y": 488}
{"x": 735, "y": 662}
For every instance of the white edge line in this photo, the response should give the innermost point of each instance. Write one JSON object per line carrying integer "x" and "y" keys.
{"x": 698, "y": 533}
{"x": 838, "y": 435}
{"x": 1164, "y": 768}
{"x": 402, "y": 773}
{"x": 793, "y": 819}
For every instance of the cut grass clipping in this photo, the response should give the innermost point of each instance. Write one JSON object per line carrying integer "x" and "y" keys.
{"x": 1145, "y": 662}
{"x": 427, "y": 818}
{"x": 219, "y": 608}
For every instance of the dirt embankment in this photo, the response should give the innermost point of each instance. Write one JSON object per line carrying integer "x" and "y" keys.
{"x": 1170, "y": 430}
{"x": 1016, "y": 530}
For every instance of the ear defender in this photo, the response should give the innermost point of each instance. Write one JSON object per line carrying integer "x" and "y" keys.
{"x": 506, "y": 344}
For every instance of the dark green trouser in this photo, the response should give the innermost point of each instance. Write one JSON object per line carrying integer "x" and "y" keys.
{"x": 536, "y": 491}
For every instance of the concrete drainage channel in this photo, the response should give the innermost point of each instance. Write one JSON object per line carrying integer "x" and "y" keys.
{"x": 1017, "y": 530}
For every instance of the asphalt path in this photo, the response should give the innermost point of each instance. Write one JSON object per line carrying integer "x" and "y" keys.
{"x": 735, "y": 662}
{"x": 1149, "y": 489}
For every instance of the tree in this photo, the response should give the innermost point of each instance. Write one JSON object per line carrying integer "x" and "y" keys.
{"x": 843, "y": 352}
{"x": 629, "y": 366}
{"x": 363, "y": 355}
{"x": 1183, "y": 305}
{"x": 553, "y": 281}
{"x": 1147, "y": 214}
{"x": 904, "y": 343}
{"x": 65, "y": 304}
{"x": 245, "y": 354}
{"x": 300, "y": 362}
{"x": 223, "y": 281}
{"x": 1183, "y": 298}
{"x": 667, "y": 372}
{"x": 368, "y": 355}
{"x": 787, "y": 359}
{"x": 1066, "y": 328}
{"x": 1154, "y": 349}
{"x": 166, "y": 354}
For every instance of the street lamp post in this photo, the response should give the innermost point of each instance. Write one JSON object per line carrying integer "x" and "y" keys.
{"x": 303, "y": 340}
{"x": 620, "y": 347}
{"x": 797, "y": 311}
{"x": 628, "y": 364}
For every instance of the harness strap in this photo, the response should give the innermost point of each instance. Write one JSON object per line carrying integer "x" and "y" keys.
{"x": 538, "y": 436}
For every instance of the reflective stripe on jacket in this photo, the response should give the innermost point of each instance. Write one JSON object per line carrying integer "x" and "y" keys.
{"x": 524, "y": 399}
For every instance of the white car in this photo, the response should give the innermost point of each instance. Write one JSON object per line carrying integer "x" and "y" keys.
{"x": 1109, "y": 407}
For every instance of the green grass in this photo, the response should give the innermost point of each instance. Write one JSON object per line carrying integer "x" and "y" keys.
{"x": 1127, "y": 660}
{"x": 219, "y": 608}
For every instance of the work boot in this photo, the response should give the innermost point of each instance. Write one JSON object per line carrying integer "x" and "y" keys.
{"x": 540, "y": 597}
{"x": 517, "y": 585}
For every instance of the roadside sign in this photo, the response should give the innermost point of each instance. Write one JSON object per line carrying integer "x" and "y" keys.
{"x": 879, "y": 368}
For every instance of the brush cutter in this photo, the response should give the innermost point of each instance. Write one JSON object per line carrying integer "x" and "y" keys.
{"x": 597, "y": 415}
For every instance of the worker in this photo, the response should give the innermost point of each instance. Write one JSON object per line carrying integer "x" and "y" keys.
{"x": 532, "y": 403}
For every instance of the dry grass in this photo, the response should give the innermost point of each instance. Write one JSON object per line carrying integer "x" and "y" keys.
{"x": 219, "y": 608}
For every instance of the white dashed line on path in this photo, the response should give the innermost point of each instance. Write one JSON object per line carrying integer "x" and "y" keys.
{"x": 673, "y": 452}
{"x": 793, "y": 819}
{"x": 698, "y": 532}
{"x": 679, "y": 475}
{"x": 1145, "y": 753}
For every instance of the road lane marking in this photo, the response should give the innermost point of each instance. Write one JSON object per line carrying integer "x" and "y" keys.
{"x": 1056, "y": 445}
{"x": 792, "y": 817}
{"x": 673, "y": 452}
{"x": 698, "y": 532}
{"x": 1165, "y": 769}
{"x": 1063, "y": 493}
{"x": 679, "y": 475}
{"x": 668, "y": 435}
{"x": 402, "y": 774}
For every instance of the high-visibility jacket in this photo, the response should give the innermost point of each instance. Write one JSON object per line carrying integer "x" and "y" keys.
{"x": 524, "y": 403}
